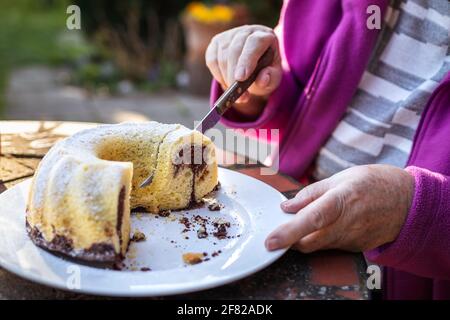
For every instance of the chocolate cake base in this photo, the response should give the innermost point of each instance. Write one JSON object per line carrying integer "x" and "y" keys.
{"x": 99, "y": 255}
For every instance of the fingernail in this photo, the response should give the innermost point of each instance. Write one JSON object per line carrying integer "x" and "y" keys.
{"x": 285, "y": 204}
{"x": 265, "y": 79}
{"x": 272, "y": 244}
{"x": 240, "y": 73}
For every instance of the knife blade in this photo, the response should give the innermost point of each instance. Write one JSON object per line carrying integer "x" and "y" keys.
{"x": 229, "y": 97}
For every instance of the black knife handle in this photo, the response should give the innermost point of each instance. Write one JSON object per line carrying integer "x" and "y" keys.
{"x": 233, "y": 93}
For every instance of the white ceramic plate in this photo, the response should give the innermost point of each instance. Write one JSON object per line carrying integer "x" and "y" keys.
{"x": 251, "y": 206}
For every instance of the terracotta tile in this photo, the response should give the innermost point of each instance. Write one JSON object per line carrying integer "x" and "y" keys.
{"x": 279, "y": 182}
{"x": 353, "y": 295}
{"x": 333, "y": 268}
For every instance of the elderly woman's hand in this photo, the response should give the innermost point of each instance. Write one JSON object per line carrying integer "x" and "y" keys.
{"x": 357, "y": 209}
{"x": 232, "y": 55}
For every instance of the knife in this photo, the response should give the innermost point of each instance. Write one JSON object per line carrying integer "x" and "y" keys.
{"x": 229, "y": 97}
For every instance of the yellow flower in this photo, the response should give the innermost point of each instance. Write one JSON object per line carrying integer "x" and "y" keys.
{"x": 206, "y": 14}
{"x": 222, "y": 13}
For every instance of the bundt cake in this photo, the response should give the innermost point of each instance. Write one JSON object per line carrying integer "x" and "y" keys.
{"x": 81, "y": 195}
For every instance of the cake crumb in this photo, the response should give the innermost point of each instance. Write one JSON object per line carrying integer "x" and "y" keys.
{"x": 193, "y": 258}
{"x": 202, "y": 233}
{"x": 171, "y": 217}
{"x": 213, "y": 204}
{"x": 187, "y": 224}
{"x": 138, "y": 236}
{"x": 221, "y": 228}
{"x": 216, "y": 253}
{"x": 216, "y": 206}
{"x": 200, "y": 220}
{"x": 164, "y": 213}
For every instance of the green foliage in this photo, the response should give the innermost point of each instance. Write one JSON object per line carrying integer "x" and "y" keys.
{"x": 34, "y": 32}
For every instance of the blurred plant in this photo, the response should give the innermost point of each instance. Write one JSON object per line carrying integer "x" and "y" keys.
{"x": 141, "y": 37}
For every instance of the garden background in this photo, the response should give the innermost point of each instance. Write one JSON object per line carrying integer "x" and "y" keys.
{"x": 131, "y": 61}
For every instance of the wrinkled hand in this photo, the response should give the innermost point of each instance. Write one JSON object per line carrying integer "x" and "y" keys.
{"x": 232, "y": 55}
{"x": 356, "y": 210}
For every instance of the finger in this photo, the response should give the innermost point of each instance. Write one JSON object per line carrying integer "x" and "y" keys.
{"x": 234, "y": 52}
{"x": 222, "y": 52}
{"x": 212, "y": 63}
{"x": 305, "y": 196}
{"x": 318, "y": 240}
{"x": 315, "y": 216}
{"x": 254, "y": 47}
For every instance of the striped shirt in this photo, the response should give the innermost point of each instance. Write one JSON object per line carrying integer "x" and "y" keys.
{"x": 410, "y": 58}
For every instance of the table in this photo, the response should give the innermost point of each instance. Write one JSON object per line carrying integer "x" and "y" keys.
{"x": 323, "y": 275}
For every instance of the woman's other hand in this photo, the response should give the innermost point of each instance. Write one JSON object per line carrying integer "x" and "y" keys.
{"x": 356, "y": 210}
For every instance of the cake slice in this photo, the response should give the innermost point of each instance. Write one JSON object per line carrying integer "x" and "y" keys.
{"x": 186, "y": 170}
{"x": 84, "y": 210}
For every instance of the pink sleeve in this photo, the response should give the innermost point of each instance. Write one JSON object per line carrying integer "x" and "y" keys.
{"x": 423, "y": 244}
